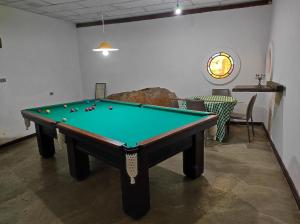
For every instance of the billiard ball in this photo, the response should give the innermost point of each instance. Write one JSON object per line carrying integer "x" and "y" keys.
{"x": 64, "y": 119}
{"x": 65, "y": 106}
{"x": 72, "y": 110}
{"x": 48, "y": 111}
{"x": 86, "y": 109}
{"x": 110, "y": 107}
{"x": 39, "y": 110}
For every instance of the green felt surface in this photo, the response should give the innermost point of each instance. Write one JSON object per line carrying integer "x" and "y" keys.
{"x": 127, "y": 123}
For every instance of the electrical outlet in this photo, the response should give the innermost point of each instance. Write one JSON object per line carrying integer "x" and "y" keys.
{"x": 51, "y": 93}
{"x": 2, "y": 80}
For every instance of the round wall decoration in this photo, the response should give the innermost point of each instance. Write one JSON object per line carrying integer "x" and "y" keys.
{"x": 221, "y": 66}
{"x": 269, "y": 62}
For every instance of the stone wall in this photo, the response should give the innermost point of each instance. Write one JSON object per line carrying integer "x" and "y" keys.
{"x": 155, "y": 96}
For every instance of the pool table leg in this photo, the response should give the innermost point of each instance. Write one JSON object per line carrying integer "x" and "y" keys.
{"x": 193, "y": 158}
{"x": 79, "y": 165}
{"x": 136, "y": 197}
{"x": 45, "y": 142}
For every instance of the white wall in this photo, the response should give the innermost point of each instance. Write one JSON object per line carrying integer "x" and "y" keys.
{"x": 285, "y": 35}
{"x": 169, "y": 52}
{"x": 39, "y": 55}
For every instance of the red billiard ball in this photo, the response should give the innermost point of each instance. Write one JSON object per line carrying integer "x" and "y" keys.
{"x": 110, "y": 108}
{"x": 86, "y": 109}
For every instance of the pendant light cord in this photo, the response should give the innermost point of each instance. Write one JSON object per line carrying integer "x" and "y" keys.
{"x": 102, "y": 23}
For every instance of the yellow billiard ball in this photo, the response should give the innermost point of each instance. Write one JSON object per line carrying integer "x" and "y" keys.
{"x": 48, "y": 111}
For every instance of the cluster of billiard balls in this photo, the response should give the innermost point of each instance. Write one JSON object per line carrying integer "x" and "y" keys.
{"x": 47, "y": 111}
{"x": 72, "y": 109}
{"x": 90, "y": 108}
{"x": 75, "y": 110}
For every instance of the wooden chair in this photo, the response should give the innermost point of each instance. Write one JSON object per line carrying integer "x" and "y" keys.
{"x": 100, "y": 90}
{"x": 175, "y": 103}
{"x": 199, "y": 106}
{"x": 221, "y": 92}
{"x": 195, "y": 105}
{"x": 246, "y": 117}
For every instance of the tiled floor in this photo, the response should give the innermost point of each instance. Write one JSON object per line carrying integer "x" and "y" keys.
{"x": 242, "y": 183}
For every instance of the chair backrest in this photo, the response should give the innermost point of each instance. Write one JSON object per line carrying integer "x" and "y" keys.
{"x": 100, "y": 90}
{"x": 175, "y": 103}
{"x": 221, "y": 92}
{"x": 195, "y": 105}
{"x": 250, "y": 107}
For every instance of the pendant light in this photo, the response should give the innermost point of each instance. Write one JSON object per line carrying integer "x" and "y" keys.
{"x": 104, "y": 46}
{"x": 178, "y": 9}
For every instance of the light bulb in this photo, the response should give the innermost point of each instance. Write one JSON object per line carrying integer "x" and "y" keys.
{"x": 105, "y": 53}
{"x": 178, "y": 10}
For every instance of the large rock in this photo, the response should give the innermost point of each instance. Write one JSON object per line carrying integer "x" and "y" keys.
{"x": 155, "y": 96}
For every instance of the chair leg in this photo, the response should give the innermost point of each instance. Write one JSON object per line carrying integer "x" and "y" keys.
{"x": 228, "y": 127}
{"x": 248, "y": 131}
{"x": 252, "y": 126}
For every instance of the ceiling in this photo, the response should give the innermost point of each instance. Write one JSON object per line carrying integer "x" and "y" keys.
{"x": 89, "y": 10}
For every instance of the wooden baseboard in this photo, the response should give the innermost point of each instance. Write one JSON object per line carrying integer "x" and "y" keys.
{"x": 244, "y": 123}
{"x": 16, "y": 141}
{"x": 283, "y": 168}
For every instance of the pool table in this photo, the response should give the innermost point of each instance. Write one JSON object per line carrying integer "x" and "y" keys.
{"x": 129, "y": 136}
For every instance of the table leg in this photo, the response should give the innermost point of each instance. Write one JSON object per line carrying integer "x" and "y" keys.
{"x": 193, "y": 158}
{"x": 45, "y": 142}
{"x": 79, "y": 166}
{"x": 136, "y": 196}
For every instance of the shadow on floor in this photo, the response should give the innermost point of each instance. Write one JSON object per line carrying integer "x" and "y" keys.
{"x": 242, "y": 183}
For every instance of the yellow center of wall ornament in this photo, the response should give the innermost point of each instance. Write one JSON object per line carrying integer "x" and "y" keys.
{"x": 220, "y": 65}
